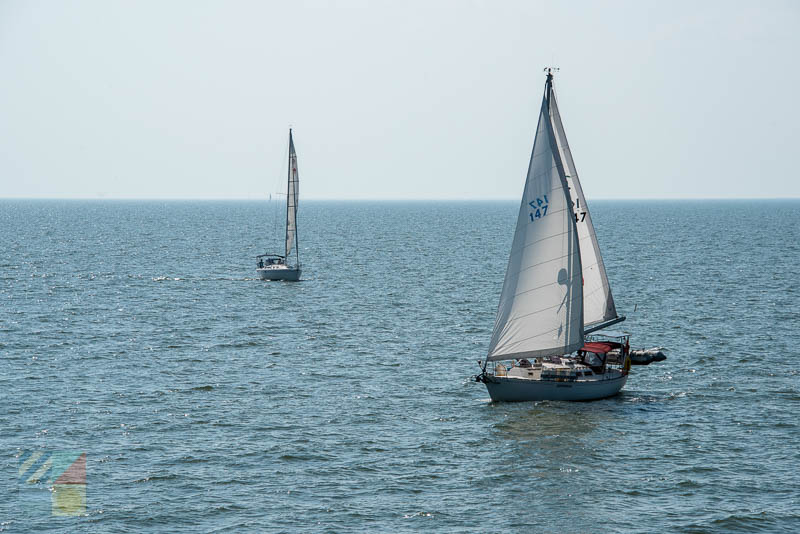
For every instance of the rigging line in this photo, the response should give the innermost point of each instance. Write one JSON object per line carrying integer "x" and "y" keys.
{"x": 277, "y": 183}
{"x": 542, "y": 263}
{"x": 515, "y": 343}
{"x": 518, "y": 317}
{"x": 553, "y": 351}
{"x": 514, "y": 347}
{"x": 572, "y": 280}
{"x": 528, "y": 245}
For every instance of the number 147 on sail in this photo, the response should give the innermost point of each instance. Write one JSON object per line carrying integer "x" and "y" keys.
{"x": 540, "y": 206}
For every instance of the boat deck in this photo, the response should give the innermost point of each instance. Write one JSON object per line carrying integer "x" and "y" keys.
{"x": 566, "y": 370}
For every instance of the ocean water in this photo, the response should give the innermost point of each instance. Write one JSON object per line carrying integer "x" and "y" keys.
{"x": 209, "y": 401}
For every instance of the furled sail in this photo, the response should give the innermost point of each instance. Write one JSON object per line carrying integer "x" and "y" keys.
{"x": 598, "y": 304}
{"x": 291, "y": 199}
{"x": 541, "y": 304}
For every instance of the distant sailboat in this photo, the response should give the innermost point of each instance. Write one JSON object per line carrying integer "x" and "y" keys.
{"x": 555, "y": 290}
{"x": 276, "y": 266}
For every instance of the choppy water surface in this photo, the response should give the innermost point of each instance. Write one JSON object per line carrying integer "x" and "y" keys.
{"x": 209, "y": 401}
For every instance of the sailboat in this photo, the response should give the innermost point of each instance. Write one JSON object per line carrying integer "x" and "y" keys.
{"x": 276, "y": 266}
{"x": 556, "y": 294}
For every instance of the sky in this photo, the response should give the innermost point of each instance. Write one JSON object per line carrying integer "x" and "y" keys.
{"x": 395, "y": 100}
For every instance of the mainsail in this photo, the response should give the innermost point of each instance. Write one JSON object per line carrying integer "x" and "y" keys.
{"x": 291, "y": 199}
{"x": 598, "y": 304}
{"x": 541, "y": 305}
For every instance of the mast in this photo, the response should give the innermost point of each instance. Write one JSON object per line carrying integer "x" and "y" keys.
{"x": 560, "y": 163}
{"x": 599, "y": 308}
{"x": 291, "y": 203}
{"x": 288, "y": 191}
{"x": 562, "y": 174}
{"x": 296, "y": 184}
{"x": 540, "y": 312}
{"x": 548, "y": 86}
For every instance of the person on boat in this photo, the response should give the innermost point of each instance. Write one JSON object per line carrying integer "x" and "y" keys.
{"x": 524, "y": 363}
{"x": 592, "y": 360}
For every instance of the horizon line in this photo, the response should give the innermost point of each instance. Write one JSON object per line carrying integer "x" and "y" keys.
{"x": 378, "y": 199}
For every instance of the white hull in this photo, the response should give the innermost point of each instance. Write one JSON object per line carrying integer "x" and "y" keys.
{"x": 279, "y": 273}
{"x": 521, "y": 389}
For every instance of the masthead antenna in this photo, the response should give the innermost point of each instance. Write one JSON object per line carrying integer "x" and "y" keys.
{"x": 548, "y": 87}
{"x": 550, "y": 71}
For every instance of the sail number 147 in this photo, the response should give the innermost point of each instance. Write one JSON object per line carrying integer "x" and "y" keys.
{"x": 540, "y": 208}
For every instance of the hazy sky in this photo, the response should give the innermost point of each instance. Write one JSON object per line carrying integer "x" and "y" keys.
{"x": 430, "y": 99}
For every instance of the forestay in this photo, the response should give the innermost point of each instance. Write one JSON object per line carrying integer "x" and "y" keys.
{"x": 291, "y": 201}
{"x": 598, "y": 304}
{"x": 541, "y": 304}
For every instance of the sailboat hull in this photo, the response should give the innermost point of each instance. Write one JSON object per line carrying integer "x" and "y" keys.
{"x": 279, "y": 273}
{"x": 521, "y": 390}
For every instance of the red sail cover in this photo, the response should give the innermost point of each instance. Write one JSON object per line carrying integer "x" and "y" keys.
{"x": 598, "y": 348}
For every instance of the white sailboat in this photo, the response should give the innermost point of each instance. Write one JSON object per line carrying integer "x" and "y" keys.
{"x": 555, "y": 290}
{"x": 276, "y": 266}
